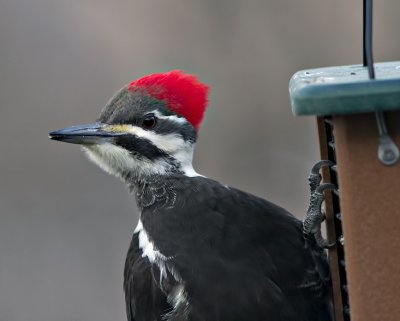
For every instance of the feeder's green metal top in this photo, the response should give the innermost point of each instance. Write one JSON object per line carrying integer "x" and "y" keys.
{"x": 345, "y": 90}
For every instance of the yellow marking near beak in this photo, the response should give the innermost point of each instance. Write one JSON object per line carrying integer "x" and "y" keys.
{"x": 124, "y": 128}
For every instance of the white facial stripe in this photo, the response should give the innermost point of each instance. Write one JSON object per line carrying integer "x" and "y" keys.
{"x": 110, "y": 158}
{"x": 168, "y": 143}
{"x": 185, "y": 156}
{"x": 172, "y": 144}
{"x": 118, "y": 161}
{"x": 174, "y": 118}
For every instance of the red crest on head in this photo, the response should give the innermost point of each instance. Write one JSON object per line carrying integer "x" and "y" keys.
{"x": 183, "y": 93}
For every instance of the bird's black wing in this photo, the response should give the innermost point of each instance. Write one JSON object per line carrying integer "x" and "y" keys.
{"x": 286, "y": 273}
{"x": 292, "y": 273}
{"x": 144, "y": 299}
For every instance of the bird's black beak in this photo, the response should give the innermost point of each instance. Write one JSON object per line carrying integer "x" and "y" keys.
{"x": 87, "y": 134}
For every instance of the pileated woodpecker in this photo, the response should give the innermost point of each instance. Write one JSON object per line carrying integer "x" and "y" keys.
{"x": 201, "y": 251}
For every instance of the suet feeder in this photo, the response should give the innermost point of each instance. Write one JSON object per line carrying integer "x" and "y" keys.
{"x": 358, "y": 115}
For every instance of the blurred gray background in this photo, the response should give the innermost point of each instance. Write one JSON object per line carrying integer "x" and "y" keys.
{"x": 65, "y": 226}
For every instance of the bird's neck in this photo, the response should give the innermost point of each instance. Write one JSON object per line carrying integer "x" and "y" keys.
{"x": 153, "y": 190}
{"x": 158, "y": 189}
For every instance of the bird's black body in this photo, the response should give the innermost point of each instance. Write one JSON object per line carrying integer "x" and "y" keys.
{"x": 235, "y": 256}
{"x": 202, "y": 251}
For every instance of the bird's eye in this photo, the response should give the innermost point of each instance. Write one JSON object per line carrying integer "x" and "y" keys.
{"x": 149, "y": 121}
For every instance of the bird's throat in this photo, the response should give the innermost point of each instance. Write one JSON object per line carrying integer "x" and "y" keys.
{"x": 153, "y": 191}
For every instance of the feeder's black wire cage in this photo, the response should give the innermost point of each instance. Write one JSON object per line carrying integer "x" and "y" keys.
{"x": 330, "y": 140}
